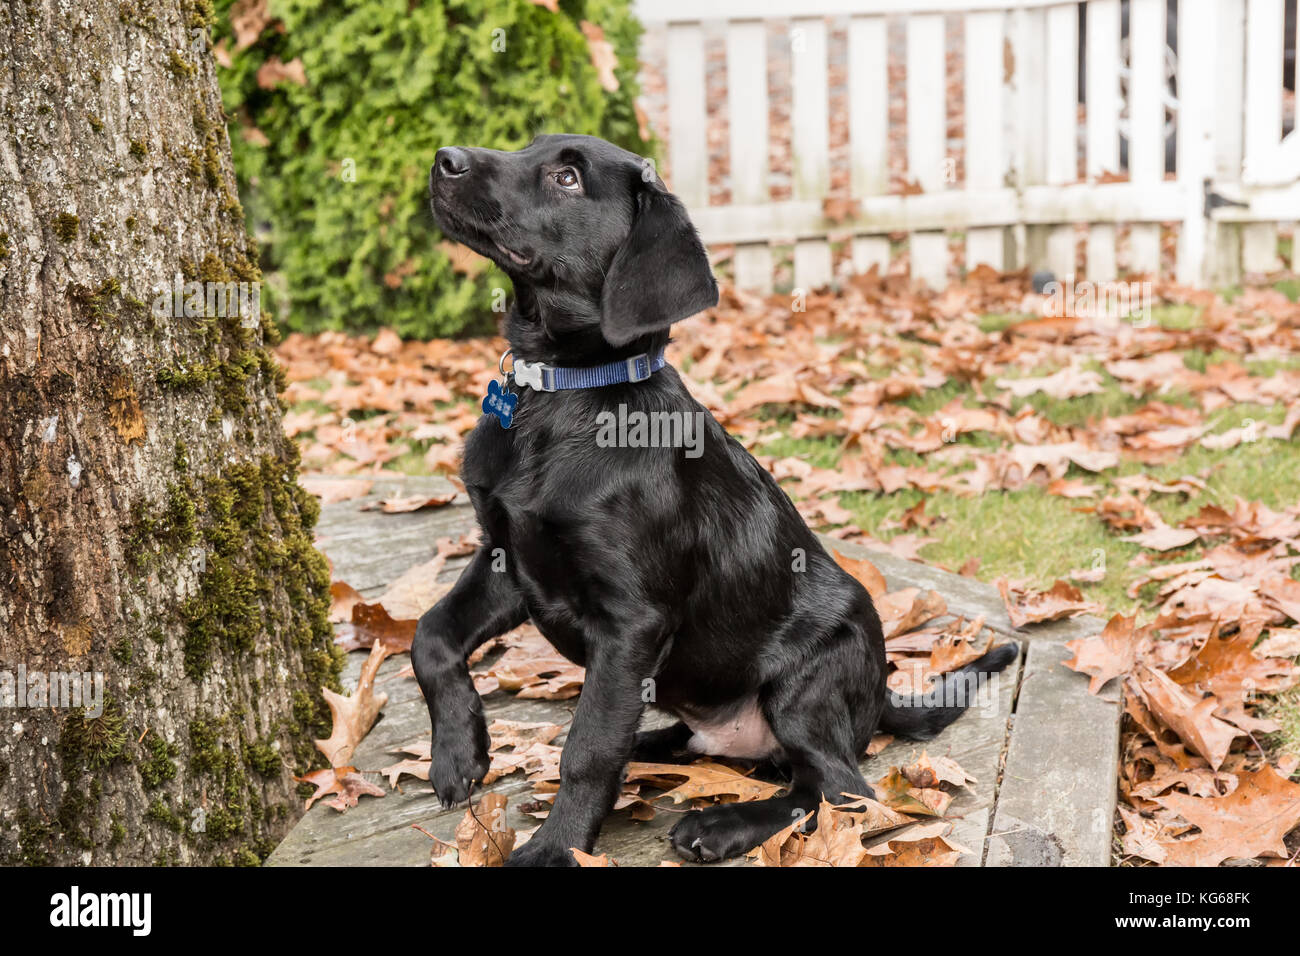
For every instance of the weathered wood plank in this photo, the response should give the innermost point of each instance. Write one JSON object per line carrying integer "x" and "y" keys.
{"x": 1056, "y": 804}
{"x": 369, "y": 549}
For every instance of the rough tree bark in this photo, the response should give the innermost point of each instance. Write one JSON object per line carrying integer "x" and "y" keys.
{"x": 152, "y": 529}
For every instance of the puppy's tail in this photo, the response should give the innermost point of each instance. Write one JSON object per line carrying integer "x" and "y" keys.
{"x": 921, "y": 716}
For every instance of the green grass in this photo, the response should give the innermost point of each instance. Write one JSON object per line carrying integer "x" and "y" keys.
{"x": 997, "y": 322}
{"x": 1032, "y": 535}
{"x": 1025, "y": 534}
{"x": 1178, "y": 317}
{"x": 1285, "y": 709}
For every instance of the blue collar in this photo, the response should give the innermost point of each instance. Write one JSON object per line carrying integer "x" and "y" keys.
{"x": 551, "y": 378}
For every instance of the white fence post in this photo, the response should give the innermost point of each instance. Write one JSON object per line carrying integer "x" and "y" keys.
{"x": 1104, "y": 101}
{"x": 869, "y": 129}
{"x": 1263, "y": 105}
{"x": 810, "y": 141}
{"x": 688, "y": 148}
{"x": 986, "y": 156}
{"x": 926, "y": 137}
{"x": 747, "y": 114}
{"x": 1196, "y": 77}
{"x": 1061, "y": 125}
{"x": 1029, "y": 40}
{"x": 1230, "y": 88}
{"x": 1146, "y": 119}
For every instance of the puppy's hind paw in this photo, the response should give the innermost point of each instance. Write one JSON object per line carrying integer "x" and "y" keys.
{"x": 706, "y": 836}
{"x": 538, "y": 853}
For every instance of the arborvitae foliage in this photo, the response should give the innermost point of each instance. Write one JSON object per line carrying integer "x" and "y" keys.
{"x": 334, "y": 173}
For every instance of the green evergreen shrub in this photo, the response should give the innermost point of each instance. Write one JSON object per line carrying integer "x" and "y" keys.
{"x": 333, "y": 174}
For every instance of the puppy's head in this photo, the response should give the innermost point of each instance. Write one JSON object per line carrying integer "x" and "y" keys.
{"x": 583, "y": 222}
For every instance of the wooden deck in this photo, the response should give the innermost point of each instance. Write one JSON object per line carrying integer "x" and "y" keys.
{"x": 1045, "y": 758}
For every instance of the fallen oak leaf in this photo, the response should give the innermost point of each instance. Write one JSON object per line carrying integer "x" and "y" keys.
{"x": 354, "y": 786}
{"x": 345, "y": 782}
{"x": 929, "y": 851}
{"x": 862, "y": 571}
{"x": 1229, "y": 667}
{"x": 482, "y": 837}
{"x": 353, "y": 715}
{"x": 1163, "y": 538}
{"x": 1192, "y": 719}
{"x": 415, "y": 768}
{"x": 1249, "y": 822}
{"x": 520, "y": 734}
{"x": 533, "y": 669}
{"x": 930, "y": 771}
{"x": 586, "y": 859}
{"x": 1283, "y": 594}
{"x": 704, "y": 779}
{"x": 394, "y": 506}
{"x": 896, "y": 792}
{"x": 372, "y": 626}
{"x": 343, "y": 597}
{"x": 1027, "y": 607}
{"x": 902, "y": 611}
{"x": 333, "y": 490}
{"x": 1112, "y": 653}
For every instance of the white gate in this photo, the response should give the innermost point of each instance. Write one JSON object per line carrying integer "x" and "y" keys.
{"x": 1034, "y": 173}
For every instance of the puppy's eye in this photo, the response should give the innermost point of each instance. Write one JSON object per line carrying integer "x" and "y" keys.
{"x": 567, "y": 178}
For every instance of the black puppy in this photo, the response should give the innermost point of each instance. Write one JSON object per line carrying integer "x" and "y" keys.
{"x": 684, "y": 579}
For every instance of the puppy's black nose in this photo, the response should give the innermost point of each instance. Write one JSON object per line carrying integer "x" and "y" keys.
{"x": 451, "y": 161}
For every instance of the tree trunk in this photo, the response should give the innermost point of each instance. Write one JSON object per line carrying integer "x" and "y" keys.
{"x": 153, "y": 536}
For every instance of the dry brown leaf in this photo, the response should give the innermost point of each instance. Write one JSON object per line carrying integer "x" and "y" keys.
{"x": 603, "y": 57}
{"x": 273, "y": 71}
{"x": 863, "y": 571}
{"x": 483, "y": 838}
{"x": 930, "y": 771}
{"x": 1034, "y": 607}
{"x": 704, "y": 780}
{"x": 343, "y": 597}
{"x": 345, "y": 783}
{"x": 1249, "y": 822}
{"x": 586, "y": 859}
{"x": 1192, "y": 719}
{"x": 394, "y": 506}
{"x": 1112, "y": 653}
{"x": 332, "y": 490}
{"x": 354, "y": 715}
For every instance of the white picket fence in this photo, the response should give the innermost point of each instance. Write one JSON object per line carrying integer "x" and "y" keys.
{"x": 1022, "y": 199}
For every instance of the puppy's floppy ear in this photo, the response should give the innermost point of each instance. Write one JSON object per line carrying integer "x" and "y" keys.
{"x": 660, "y": 274}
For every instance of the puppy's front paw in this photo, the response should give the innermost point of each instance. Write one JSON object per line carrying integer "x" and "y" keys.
{"x": 539, "y": 853}
{"x": 458, "y": 763}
